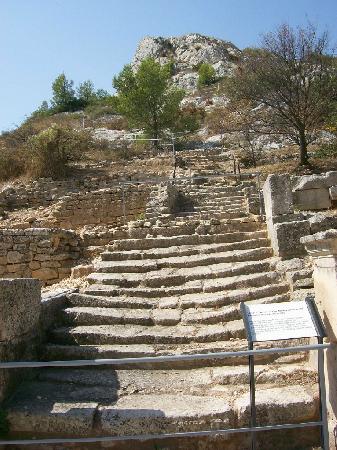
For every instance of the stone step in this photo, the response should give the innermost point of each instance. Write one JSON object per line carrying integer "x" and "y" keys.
{"x": 191, "y": 287}
{"x": 156, "y": 334}
{"x": 171, "y": 277}
{"x": 206, "y": 208}
{"x": 183, "y": 250}
{"x": 212, "y": 214}
{"x": 192, "y": 381}
{"x": 192, "y": 239}
{"x": 94, "y": 315}
{"x": 202, "y": 300}
{"x": 144, "y": 265}
{"x": 57, "y": 352}
{"x": 139, "y": 413}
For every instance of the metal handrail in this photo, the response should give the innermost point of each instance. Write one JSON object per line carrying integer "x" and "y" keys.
{"x": 167, "y": 358}
{"x": 157, "y": 359}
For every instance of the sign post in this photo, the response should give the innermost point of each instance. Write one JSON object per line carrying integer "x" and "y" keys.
{"x": 281, "y": 321}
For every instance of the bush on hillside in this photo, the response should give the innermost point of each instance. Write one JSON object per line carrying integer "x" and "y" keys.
{"x": 206, "y": 75}
{"x": 11, "y": 164}
{"x": 328, "y": 150}
{"x": 49, "y": 153}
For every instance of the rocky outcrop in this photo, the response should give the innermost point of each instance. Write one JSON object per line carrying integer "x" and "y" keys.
{"x": 187, "y": 53}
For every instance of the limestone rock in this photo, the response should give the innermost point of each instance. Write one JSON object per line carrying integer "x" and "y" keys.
{"x": 277, "y": 195}
{"x": 312, "y": 199}
{"x": 290, "y": 265}
{"x": 279, "y": 405}
{"x": 20, "y": 303}
{"x": 187, "y": 53}
{"x": 333, "y": 193}
{"x": 81, "y": 271}
{"x": 321, "y": 222}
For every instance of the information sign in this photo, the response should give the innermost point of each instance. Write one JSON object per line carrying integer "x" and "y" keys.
{"x": 277, "y": 321}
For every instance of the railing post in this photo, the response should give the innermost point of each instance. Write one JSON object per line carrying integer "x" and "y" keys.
{"x": 123, "y": 204}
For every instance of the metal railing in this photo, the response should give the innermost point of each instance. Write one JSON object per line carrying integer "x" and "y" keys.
{"x": 171, "y": 358}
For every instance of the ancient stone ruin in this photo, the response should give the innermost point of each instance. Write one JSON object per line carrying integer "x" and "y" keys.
{"x": 168, "y": 264}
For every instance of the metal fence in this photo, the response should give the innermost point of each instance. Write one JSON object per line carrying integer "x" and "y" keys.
{"x": 173, "y": 358}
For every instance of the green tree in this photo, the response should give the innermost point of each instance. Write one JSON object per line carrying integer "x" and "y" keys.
{"x": 63, "y": 94}
{"x": 147, "y": 98}
{"x": 294, "y": 78}
{"x": 86, "y": 93}
{"x": 206, "y": 75}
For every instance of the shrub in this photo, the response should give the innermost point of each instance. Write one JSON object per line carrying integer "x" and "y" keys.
{"x": 328, "y": 150}
{"x": 49, "y": 153}
{"x": 11, "y": 164}
{"x": 206, "y": 74}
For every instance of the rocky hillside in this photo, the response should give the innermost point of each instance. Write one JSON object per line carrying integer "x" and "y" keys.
{"x": 188, "y": 52}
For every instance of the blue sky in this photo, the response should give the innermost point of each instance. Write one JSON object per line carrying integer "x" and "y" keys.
{"x": 93, "y": 39}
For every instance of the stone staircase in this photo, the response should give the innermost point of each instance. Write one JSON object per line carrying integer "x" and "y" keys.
{"x": 205, "y": 162}
{"x": 174, "y": 289}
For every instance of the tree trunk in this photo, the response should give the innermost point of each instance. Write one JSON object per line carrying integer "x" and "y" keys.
{"x": 303, "y": 149}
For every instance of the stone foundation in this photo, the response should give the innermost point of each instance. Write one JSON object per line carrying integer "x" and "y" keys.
{"x": 46, "y": 254}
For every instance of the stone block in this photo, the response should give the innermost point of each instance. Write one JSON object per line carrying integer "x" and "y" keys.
{"x": 333, "y": 193}
{"x": 331, "y": 178}
{"x": 20, "y": 303}
{"x": 14, "y": 257}
{"x": 321, "y": 222}
{"x": 312, "y": 199}
{"x": 277, "y": 195}
{"x": 310, "y": 182}
{"x": 45, "y": 274}
{"x": 289, "y": 404}
{"x": 286, "y": 238}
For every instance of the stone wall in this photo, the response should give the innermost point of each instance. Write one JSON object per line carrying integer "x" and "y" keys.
{"x": 104, "y": 206}
{"x": 46, "y": 192}
{"x": 46, "y": 254}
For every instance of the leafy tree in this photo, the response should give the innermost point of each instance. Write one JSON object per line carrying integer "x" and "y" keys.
{"x": 294, "y": 78}
{"x": 146, "y": 97}
{"x": 206, "y": 75}
{"x": 63, "y": 94}
{"x": 86, "y": 93}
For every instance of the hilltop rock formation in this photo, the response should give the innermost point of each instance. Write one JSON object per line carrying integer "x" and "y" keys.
{"x": 187, "y": 53}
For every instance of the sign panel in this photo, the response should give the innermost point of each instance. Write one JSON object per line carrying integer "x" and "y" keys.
{"x": 277, "y": 321}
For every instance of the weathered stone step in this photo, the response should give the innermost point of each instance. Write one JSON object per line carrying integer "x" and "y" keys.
{"x": 278, "y": 292}
{"x": 156, "y": 334}
{"x": 192, "y": 239}
{"x": 150, "y": 413}
{"x": 187, "y": 381}
{"x": 56, "y": 352}
{"x": 171, "y": 277}
{"x": 212, "y": 214}
{"x": 80, "y": 299}
{"x": 143, "y": 265}
{"x": 183, "y": 250}
{"x": 218, "y": 207}
{"x": 208, "y": 300}
{"x": 191, "y": 287}
{"x": 93, "y": 315}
